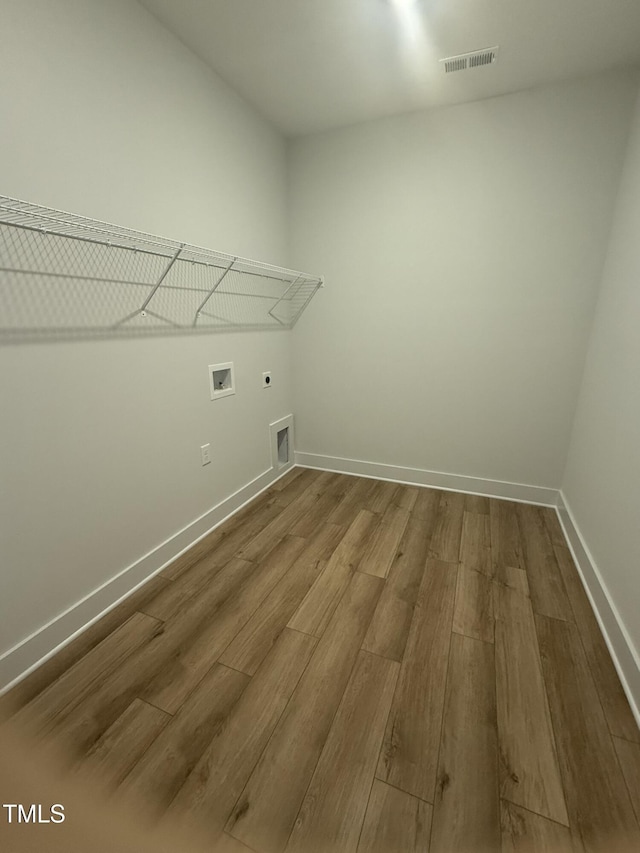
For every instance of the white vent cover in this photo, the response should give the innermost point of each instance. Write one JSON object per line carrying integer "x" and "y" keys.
{"x": 475, "y": 59}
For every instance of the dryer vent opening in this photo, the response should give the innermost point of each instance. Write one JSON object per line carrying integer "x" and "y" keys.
{"x": 283, "y": 445}
{"x": 282, "y": 441}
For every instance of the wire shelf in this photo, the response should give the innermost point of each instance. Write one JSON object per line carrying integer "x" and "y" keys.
{"x": 62, "y": 275}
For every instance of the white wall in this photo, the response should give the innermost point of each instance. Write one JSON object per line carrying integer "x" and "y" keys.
{"x": 602, "y": 480}
{"x": 105, "y": 114}
{"x": 463, "y": 249}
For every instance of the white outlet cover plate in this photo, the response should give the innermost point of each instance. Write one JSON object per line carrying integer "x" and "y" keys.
{"x": 267, "y": 381}
{"x": 205, "y": 452}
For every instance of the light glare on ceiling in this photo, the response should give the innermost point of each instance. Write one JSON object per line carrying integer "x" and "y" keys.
{"x": 417, "y": 51}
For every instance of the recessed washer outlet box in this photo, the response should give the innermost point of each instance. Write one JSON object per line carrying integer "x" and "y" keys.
{"x": 282, "y": 446}
{"x": 221, "y": 380}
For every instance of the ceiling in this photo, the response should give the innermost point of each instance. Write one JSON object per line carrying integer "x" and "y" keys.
{"x": 309, "y": 66}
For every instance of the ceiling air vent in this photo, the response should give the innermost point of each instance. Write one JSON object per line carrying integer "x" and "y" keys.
{"x": 476, "y": 59}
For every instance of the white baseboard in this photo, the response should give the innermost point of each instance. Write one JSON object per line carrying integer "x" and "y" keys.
{"x": 623, "y": 653}
{"x": 27, "y": 655}
{"x": 434, "y": 479}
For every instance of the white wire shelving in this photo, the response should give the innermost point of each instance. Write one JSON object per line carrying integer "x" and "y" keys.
{"x": 63, "y": 275}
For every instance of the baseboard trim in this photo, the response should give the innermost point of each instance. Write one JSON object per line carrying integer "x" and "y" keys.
{"x": 27, "y": 655}
{"x": 434, "y": 479}
{"x": 623, "y": 653}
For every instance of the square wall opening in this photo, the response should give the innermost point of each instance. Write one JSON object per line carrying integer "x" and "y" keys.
{"x": 282, "y": 443}
{"x": 221, "y": 382}
{"x": 282, "y": 440}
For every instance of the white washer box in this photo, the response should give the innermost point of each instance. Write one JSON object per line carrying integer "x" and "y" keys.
{"x": 221, "y": 380}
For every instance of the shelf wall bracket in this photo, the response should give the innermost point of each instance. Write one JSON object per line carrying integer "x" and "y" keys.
{"x": 212, "y": 291}
{"x": 282, "y": 298}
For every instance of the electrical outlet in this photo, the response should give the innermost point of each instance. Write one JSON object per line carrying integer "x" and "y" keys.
{"x": 205, "y": 452}
{"x": 266, "y": 379}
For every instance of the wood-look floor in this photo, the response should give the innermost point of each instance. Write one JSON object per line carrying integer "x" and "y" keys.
{"x": 356, "y": 666}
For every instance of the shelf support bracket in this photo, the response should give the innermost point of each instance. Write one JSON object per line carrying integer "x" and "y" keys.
{"x": 308, "y": 300}
{"x": 284, "y": 296}
{"x": 162, "y": 277}
{"x": 143, "y": 311}
{"x": 211, "y": 292}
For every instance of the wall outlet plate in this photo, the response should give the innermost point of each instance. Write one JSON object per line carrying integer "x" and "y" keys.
{"x": 266, "y": 379}
{"x": 205, "y": 452}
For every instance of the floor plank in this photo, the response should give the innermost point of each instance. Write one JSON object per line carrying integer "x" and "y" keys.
{"x": 506, "y": 544}
{"x": 250, "y": 646}
{"x": 395, "y": 822}
{"x": 158, "y": 667}
{"x": 160, "y": 773}
{"x": 357, "y": 491}
{"x": 447, "y": 532}
{"x": 473, "y": 611}
{"x": 389, "y": 628}
{"x": 185, "y": 595}
{"x": 222, "y": 544}
{"x": 333, "y": 810}
{"x": 175, "y": 596}
{"x": 526, "y": 832}
{"x": 227, "y": 844}
{"x": 166, "y": 672}
{"x": 381, "y": 550}
{"x": 279, "y": 527}
{"x": 213, "y": 786}
{"x": 159, "y": 671}
{"x": 475, "y": 543}
{"x": 46, "y": 710}
{"x": 406, "y": 497}
{"x": 62, "y": 661}
{"x": 289, "y": 478}
{"x": 548, "y": 595}
{"x": 529, "y": 770}
{"x": 476, "y": 503}
{"x": 175, "y": 681}
{"x": 425, "y": 509}
{"x": 124, "y": 743}
{"x": 597, "y": 798}
{"x": 318, "y": 605}
{"x": 332, "y": 492}
{"x": 381, "y": 496}
{"x": 466, "y": 807}
{"x": 629, "y": 757}
{"x": 410, "y": 752}
{"x": 553, "y": 526}
{"x": 296, "y": 487}
{"x": 614, "y": 701}
{"x": 265, "y": 813}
